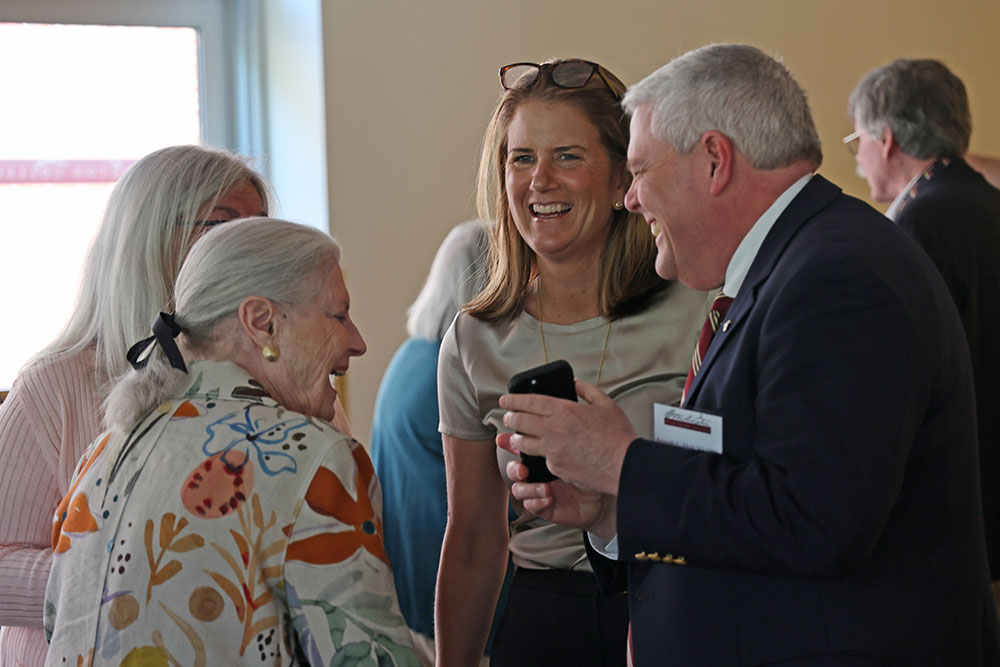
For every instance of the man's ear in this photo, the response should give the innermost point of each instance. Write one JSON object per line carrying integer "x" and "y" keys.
{"x": 258, "y": 316}
{"x": 718, "y": 150}
{"x": 888, "y": 147}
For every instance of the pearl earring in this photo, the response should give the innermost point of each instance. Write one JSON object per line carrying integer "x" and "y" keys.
{"x": 271, "y": 352}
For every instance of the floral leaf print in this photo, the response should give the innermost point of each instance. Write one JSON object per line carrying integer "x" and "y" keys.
{"x": 375, "y": 608}
{"x": 264, "y": 624}
{"x": 157, "y": 659}
{"x": 242, "y": 545}
{"x": 230, "y": 589}
{"x": 306, "y": 644}
{"x": 168, "y": 531}
{"x": 60, "y": 541}
{"x": 239, "y": 435}
{"x": 195, "y": 390}
{"x": 251, "y": 391}
{"x": 249, "y": 570}
{"x": 50, "y": 620}
{"x": 397, "y": 654}
{"x": 337, "y": 618}
{"x": 187, "y": 543}
{"x": 351, "y": 655}
{"x": 161, "y": 575}
{"x": 196, "y": 387}
{"x": 89, "y": 660}
{"x": 192, "y": 635}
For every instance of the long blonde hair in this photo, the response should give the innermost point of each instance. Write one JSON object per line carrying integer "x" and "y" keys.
{"x": 627, "y": 278}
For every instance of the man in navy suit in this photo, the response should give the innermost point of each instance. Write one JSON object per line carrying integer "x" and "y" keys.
{"x": 831, "y": 521}
{"x": 912, "y": 125}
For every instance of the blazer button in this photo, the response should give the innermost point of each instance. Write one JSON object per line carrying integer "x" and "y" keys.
{"x": 641, "y": 555}
{"x": 655, "y": 557}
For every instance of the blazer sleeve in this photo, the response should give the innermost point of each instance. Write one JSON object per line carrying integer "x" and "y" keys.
{"x": 831, "y": 386}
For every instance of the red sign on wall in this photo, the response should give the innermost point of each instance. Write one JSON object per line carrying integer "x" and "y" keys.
{"x": 62, "y": 171}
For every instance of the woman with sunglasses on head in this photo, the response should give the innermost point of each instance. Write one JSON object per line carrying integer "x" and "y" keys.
{"x": 570, "y": 277}
{"x": 156, "y": 211}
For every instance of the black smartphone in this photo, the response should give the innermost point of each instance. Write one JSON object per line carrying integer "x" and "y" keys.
{"x": 552, "y": 379}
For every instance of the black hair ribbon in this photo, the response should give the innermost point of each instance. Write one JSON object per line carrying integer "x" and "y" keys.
{"x": 165, "y": 329}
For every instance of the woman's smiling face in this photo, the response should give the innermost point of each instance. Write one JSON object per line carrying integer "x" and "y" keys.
{"x": 560, "y": 185}
{"x": 316, "y": 344}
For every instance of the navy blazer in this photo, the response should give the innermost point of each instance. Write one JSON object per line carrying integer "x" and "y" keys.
{"x": 955, "y": 217}
{"x": 838, "y": 526}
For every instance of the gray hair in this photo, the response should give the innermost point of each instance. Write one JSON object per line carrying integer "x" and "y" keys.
{"x": 129, "y": 272}
{"x": 282, "y": 261}
{"x": 921, "y": 101}
{"x": 737, "y": 90}
{"x": 457, "y": 274}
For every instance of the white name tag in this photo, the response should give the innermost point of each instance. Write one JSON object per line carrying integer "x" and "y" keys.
{"x": 687, "y": 428}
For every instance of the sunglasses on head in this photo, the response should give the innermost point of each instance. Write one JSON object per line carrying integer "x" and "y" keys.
{"x": 572, "y": 73}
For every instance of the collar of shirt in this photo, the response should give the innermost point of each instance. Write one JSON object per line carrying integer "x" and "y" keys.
{"x": 747, "y": 250}
{"x": 897, "y": 204}
{"x": 211, "y": 380}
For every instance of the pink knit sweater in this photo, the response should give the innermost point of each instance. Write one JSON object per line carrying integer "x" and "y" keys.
{"x": 50, "y": 417}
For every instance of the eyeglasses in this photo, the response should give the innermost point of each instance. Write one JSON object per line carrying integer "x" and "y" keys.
{"x": 571, "y": 73}
{"x": 851, "y": 141}
{"x": 205, "y": 224}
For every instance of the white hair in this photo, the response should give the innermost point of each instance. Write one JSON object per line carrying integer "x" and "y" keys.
{"x": 131, "y": 265}
{"x": 737, "y": 90}
{"x": 921, "y": 101}
{"x": 279, "y": 260}
{"x": 457, "y": 274}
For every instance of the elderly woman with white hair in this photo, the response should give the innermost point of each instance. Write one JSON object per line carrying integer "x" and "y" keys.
{"x": 155, "y": 212}
{"x": 223, "y": 519}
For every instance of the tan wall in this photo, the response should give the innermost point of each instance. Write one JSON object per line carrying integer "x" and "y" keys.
{"x": 410, "y": 86}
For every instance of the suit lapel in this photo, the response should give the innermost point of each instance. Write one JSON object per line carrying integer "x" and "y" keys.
{"x": 814, "y": 197}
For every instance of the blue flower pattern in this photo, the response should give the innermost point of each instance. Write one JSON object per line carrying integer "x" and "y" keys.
{"x": 265, "y": 441}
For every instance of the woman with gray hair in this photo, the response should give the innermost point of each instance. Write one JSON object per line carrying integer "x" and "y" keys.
{"x": 155, "y": 212}
{"x": 406, "y": 445}
{"x": 257, "y": 533}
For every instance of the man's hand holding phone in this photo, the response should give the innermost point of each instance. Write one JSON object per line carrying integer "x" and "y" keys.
{"x": 584, "y": 444}
{"x": 552, "y": 379}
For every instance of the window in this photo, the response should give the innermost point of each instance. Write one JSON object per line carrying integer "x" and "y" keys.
{"x": 89, "y": 90}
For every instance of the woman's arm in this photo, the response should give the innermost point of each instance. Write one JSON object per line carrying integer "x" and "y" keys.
{"x": 336, "y": 575}
{"x": 474, "y": 553}
{"x": 28, "y": 497}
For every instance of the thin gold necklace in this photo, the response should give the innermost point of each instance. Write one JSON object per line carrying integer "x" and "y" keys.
{"x": 545, "y": 351}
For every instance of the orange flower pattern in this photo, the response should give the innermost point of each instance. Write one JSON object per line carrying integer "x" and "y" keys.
{"x": 327, "y": 496}
{"x": 223, "y": 529}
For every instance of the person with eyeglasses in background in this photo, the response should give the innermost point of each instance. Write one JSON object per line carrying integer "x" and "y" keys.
{"x": 570, "y": 276}
{"x": 156, "y": 211}
{"x": 912, "y": 127}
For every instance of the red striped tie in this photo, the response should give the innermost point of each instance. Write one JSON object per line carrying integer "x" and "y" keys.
{"x": 719, "y": 307}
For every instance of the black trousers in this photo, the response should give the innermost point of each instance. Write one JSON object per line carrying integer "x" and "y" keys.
{"x": 559, "y": 617}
